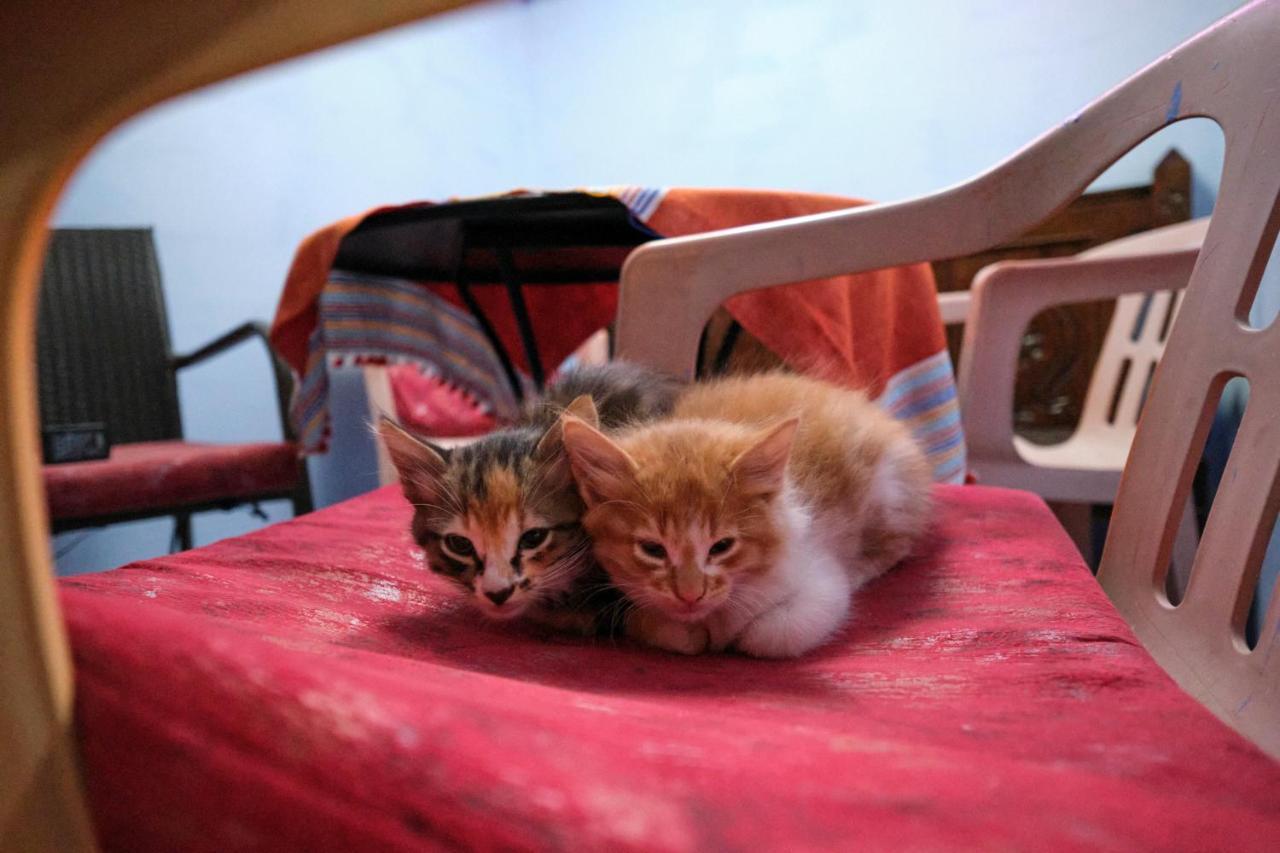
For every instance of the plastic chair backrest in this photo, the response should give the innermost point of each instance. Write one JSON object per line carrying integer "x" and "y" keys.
{"x": 1227, "y": 73}
{"x": 1136, "y": 337}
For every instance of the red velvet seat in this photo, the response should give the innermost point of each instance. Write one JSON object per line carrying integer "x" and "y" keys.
{"x": 311, "y": 686}
{"x": 150, "y": 476}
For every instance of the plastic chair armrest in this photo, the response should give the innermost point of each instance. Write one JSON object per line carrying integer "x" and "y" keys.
{"x": 954, "y": 307}
{"x": 1006, "y": 296}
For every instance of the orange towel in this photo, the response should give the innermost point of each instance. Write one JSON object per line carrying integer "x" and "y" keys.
{"x": 879, "y": 330}
{"x": 857, "y": 329}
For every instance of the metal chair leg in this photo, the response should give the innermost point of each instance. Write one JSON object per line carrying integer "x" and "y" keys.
{"x": 181, "y": 539}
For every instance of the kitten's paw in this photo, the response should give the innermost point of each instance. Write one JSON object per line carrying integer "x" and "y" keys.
{"x": 723, "y": 628}
{"x": 685, "y": 639}
{"x": 778, "y": 633}
{"x": 660, "y": 632}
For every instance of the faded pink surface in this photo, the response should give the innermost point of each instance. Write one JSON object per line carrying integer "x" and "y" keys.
{"x": 430, "y": 406}
{"x": 311, "y": 686}
{"x": 156, "y": 474}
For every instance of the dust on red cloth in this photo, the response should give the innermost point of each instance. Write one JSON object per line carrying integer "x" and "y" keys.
{"x": 149, "y": 475}
{"x": 311, "y": 686}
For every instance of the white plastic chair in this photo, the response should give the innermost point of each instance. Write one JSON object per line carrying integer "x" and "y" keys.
{"x": 1228, "y": 73}
{"x": 1145, "y": 273}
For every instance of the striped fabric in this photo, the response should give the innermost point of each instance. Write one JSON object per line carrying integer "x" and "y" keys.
{"x": 390, "y": 319}
{"x": 641, "y": 201}
{"x": 924, "y": 397}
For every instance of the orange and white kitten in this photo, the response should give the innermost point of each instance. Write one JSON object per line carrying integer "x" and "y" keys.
{"x": 749, "y": 518}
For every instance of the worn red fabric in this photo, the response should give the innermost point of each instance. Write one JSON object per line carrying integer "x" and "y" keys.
{"x": 311, "y": 687}
{"x": 429, "y": 405}
{"x": 159, "y": 474}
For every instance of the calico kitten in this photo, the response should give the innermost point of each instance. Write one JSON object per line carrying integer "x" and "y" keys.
{"x": 748, "y": 519}
{"x": 500, "y": 517}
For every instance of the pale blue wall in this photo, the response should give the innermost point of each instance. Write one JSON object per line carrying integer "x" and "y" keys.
{"x": 873, "y": 99}
{"x": 882, "y": 100}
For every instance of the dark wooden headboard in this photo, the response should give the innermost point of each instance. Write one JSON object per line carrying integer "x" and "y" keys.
{"x": 1061, "y": 346}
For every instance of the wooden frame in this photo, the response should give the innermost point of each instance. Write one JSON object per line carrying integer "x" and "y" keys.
{"x": 1227, "y": 73}
{"x": 71, "y": 72}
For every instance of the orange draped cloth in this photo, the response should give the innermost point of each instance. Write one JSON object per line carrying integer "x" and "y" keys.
{"x": 879, "y": 330}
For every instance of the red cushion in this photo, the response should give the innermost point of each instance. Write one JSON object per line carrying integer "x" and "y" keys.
{"x": 430, "y": 406}
{"x": 311, "y": 686}
{"x": 160, "y": 474}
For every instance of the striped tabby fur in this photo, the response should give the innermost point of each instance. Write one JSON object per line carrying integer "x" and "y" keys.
{"x": 500, "y": 518}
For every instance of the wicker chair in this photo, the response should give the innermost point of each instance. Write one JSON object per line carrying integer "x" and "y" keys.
{"x": 104, "y": 360}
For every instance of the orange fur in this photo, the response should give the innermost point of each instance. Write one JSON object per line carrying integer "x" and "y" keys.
{"x": 499, "y": 518}
{"x": 734, "y": 465}
{"x": 843, "y": 436}
{"x": 662, "y": 482}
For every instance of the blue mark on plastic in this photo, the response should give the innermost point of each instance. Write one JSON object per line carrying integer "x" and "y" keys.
{"x": 1175, "y": 103}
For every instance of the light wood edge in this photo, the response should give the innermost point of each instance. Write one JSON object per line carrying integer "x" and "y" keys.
{"x": 72, "y": 72}
{"x": 669, "y": 288}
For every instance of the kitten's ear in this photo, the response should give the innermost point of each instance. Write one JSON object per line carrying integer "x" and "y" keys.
{"x": 552, "y": 442}
{"x": 761, "y": 469}
{"x": 601, "y": 468}
{"x": 421, "y": 465}
{"x": 584, "y": 409}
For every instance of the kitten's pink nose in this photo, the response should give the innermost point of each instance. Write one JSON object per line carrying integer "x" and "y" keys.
{"x": 500, "y": 595}
{"x": 689, "y": 593}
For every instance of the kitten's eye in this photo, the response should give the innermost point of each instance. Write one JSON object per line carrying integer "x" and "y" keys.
{"x": 532, "y": 538}
{"x": 652, "y": 549}
{"x": 459, "y": 545}
{"x": 721, "y": 547}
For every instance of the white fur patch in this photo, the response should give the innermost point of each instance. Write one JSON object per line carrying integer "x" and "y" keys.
{"x": 498, "y": 574}
{"x": 796, "y": 606}
{"x": 888, "y": 490}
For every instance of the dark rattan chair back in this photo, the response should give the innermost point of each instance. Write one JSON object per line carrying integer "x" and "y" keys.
{"x": 103, "y": 336}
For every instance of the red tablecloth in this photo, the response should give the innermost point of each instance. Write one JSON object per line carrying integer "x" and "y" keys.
{"x": 312, "y": 687}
